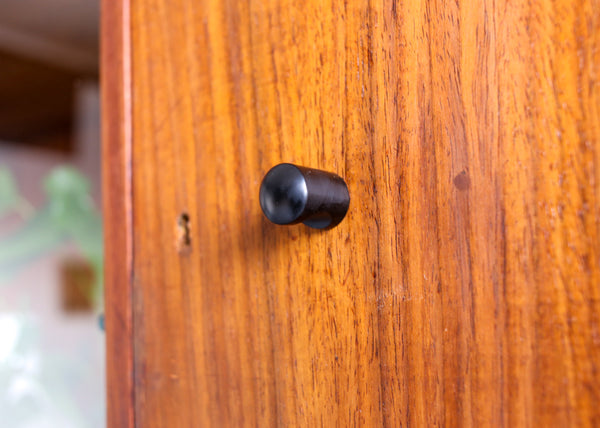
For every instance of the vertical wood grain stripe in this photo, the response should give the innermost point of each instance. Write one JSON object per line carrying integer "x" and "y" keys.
{"x": 117, "y": 210}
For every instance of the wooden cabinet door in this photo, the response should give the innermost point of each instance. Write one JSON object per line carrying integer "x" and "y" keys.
{"x": 463, "y": 286}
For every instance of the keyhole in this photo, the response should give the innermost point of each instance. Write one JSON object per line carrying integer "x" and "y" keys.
{"x": 184, "y": 241}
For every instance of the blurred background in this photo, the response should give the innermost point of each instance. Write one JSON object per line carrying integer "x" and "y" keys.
{"x": 51, "y": 325}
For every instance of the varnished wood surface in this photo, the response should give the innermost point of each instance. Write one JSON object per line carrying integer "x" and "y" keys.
{"x": 116, "y": 192}
{"x": 463, "y": 287}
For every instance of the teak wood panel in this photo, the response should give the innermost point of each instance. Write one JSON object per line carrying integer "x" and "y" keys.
{"x": 463, "y": 286}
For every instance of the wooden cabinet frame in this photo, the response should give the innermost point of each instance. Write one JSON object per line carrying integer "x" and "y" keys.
{"x": 116, "y": 183}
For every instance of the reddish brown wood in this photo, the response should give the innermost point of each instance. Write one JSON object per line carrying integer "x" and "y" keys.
{"x": 462, "y": 289}
{"x": 116, "y": 161}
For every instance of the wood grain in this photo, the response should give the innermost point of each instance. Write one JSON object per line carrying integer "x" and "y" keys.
{"x": 117, "y": 211}
{"x": 463, "y": 288}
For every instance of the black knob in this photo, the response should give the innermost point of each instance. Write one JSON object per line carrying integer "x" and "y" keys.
{"x": 291, "y": 194}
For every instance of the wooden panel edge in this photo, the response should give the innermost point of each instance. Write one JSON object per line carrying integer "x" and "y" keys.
{"x": 115, "y": 75}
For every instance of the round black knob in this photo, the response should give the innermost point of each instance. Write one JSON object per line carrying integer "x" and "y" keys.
{"x": 291, "y": 194}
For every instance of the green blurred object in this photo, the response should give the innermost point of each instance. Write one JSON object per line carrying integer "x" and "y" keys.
{"x": 10, "y": 200}
{"x": 9, "y": 195}
{"x": 69, "y": 214}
